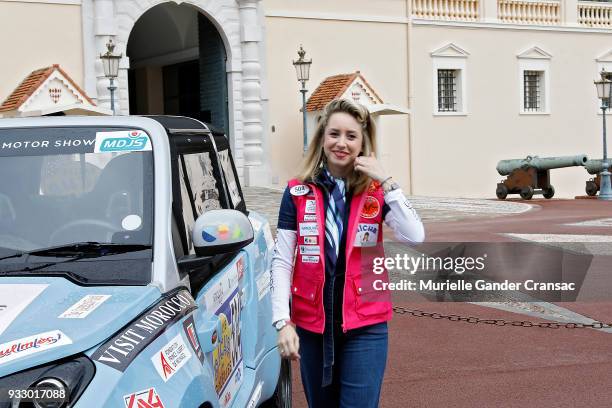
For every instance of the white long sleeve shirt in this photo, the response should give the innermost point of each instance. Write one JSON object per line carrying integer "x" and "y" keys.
{"x": 401, "y": 218}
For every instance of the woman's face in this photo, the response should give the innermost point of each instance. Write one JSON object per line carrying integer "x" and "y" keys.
{"x": 342, "y": 142}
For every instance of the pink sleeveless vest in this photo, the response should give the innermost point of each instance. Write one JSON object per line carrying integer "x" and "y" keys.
{"x": 362, "y": 304}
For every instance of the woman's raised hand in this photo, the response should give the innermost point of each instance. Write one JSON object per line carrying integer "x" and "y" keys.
{"x": 370, "y": 166}
{"x": 288, "y": 343}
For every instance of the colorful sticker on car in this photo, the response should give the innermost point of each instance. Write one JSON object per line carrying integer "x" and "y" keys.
{"x": 33, "y": 344}
{"x": 192, "y": 336}
{"x": 224, "y": 300}
{"x": 264, "y": 282}
{"x": 84, "y": 307}
{"x": 14, "y": 298}
{"x": 171, "y": 358}
{"x": 122, "y": 141}
{"x": 120, "y": 350}
{"x": 255, "y": 396}
{"x": 143, "y": 399}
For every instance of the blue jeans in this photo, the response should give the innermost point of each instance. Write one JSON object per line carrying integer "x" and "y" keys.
{"x": 360, "y": 358}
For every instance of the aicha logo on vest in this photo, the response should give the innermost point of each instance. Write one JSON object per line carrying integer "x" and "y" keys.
{"x": 367, "y": 235}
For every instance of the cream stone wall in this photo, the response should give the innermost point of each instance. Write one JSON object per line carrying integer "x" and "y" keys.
{"x": 457, "y": 155}
{"x": 36, "y": 35}
{"x": 377, "y": 49}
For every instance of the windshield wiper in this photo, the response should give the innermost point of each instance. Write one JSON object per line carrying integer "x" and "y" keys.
{"x": 88, "y": 249}
{"x": 78, "y": 250}
{"x": 15, "y": 255}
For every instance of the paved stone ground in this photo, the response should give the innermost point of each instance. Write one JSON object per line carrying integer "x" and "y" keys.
{"x": 431, "y": 209}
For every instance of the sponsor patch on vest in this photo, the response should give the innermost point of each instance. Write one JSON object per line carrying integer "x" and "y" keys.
{"x": 310, "y": 217}
{"x": 367, "y": 234}
{"x": 310, "y": 250}
{"x": 371, "y": 207}
{"x": 310, "y": 240}
{"x": 299, "y": 190}
{"x": 311, "y": 207}
{"x": 309, "y": 229}
{"x": 310, "y": 259}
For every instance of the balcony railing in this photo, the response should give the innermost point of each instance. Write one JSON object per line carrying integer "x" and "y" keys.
{"x": 588, "y": 14}
{"x": 456, "y": 10}
{"x": 595, "y": 14}
{"x": 529, "y": 12}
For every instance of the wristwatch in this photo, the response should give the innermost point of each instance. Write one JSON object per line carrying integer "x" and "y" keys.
{"x": 392, "y": 186}
{"x": 279, "y": 324}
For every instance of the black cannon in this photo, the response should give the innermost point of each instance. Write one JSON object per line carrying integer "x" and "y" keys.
{"x": 594, "y": 167}
{"x": 531, "y": 175}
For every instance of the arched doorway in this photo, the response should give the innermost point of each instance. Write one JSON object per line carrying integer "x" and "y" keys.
{"x": 178, "y": 65}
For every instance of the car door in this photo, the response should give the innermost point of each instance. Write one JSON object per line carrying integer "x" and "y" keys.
{"x": 219, "y": 287}
{"x": 257, "y": 311}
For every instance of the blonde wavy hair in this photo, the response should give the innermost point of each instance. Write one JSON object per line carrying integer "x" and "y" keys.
{"x": 313, "y": 162}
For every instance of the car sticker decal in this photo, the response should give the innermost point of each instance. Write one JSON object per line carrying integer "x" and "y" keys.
{"x": 255, "y": 396}
{"x": 192, "y": 336}
{"x": 84, "y": 307}
{"x": 224, "y": 300}
{"x": 33, "y": 344}
{"x": 122, "y": 141}
{"x": 14, "y": 298}
{"x": 171, "y": 358}
{"x": 263, "y": 284}
{"x": 143, "y": 399}
{"x": 120, "y": 350}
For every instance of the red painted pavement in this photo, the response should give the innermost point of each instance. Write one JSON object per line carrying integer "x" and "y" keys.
{"x": 439, "y": 363}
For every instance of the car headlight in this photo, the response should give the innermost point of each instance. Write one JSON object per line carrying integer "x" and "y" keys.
{"x": 54, "y": 385}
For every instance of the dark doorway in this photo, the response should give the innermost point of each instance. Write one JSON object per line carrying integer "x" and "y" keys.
{"x": 178, "y": 65}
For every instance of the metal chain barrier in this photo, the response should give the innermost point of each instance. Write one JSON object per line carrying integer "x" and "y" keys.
{"x": 501, "y": 322}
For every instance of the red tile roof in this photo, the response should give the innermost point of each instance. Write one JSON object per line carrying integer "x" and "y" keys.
{"x": 332, "y": 88}
{"x": 31, "y": 83}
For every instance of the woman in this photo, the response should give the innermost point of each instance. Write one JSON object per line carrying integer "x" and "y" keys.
{"x": 332, "y": 214}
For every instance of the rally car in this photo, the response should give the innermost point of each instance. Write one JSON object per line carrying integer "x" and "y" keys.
{"x": 131, "y": 272}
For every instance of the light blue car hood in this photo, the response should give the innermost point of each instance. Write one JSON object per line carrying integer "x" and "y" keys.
{"x": 35, "y": 334}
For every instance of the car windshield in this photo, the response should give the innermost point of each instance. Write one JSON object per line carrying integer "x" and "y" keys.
{"x": 72, "y": 185}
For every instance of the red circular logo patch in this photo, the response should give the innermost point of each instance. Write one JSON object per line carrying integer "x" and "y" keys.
{"x": 371, "y": 207}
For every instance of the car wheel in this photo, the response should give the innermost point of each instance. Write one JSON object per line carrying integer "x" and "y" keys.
{"x": 282, "y": 394}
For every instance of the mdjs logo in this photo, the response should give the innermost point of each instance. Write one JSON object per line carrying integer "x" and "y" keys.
{"x": 130, "y": 141}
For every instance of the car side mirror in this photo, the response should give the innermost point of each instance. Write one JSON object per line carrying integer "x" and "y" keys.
{"x": 221, "y": 231}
